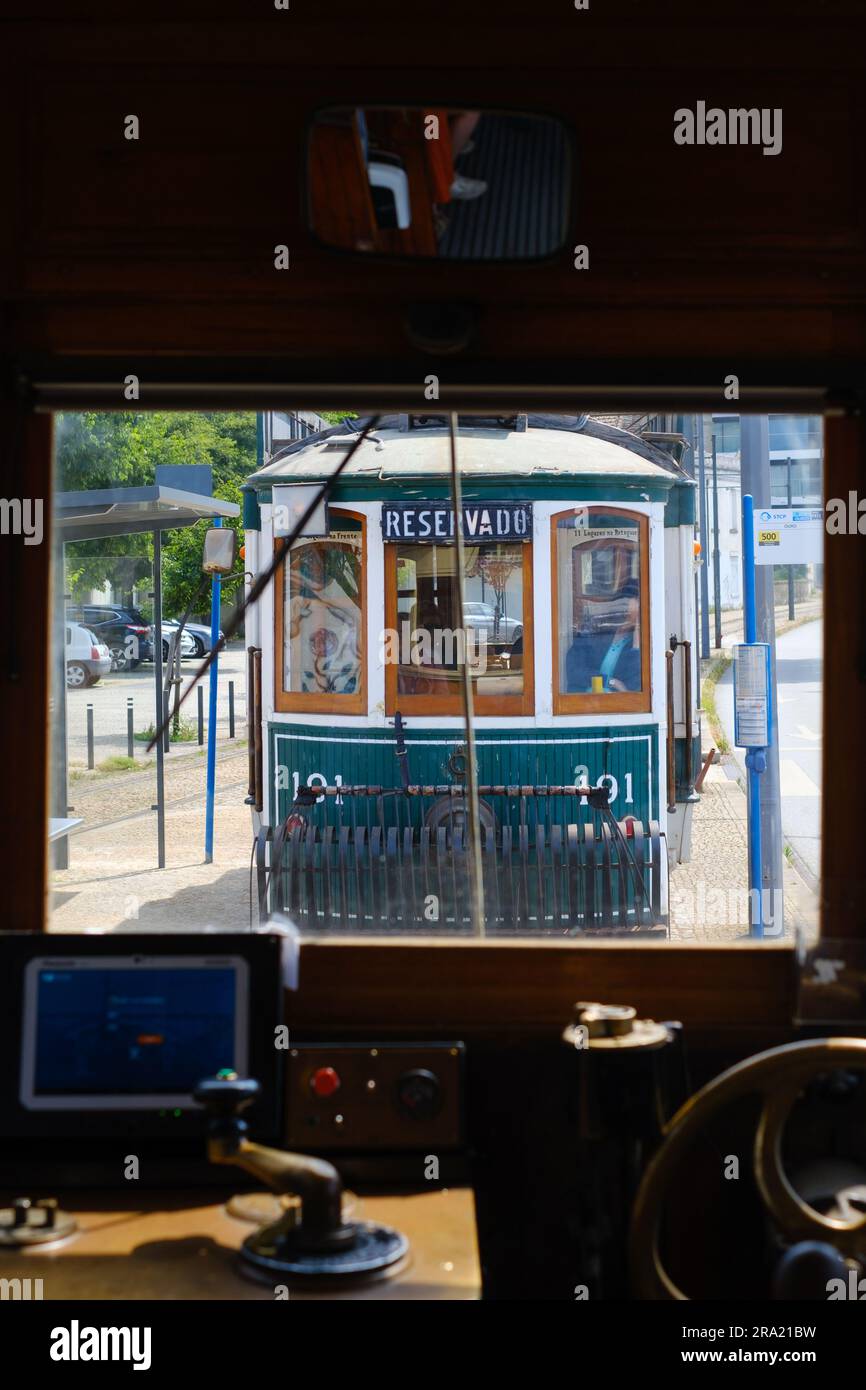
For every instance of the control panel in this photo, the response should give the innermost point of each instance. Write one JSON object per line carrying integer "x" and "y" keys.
{"x": 374, "y": 1096}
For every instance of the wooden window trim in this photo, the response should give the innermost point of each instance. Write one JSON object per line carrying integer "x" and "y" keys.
{"x": 501, "y": 705}
{"x": 621, "y": 702}
{"x": 300, "y": 702}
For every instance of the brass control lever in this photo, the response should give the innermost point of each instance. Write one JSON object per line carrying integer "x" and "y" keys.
{"x": 318, "y": 1184}
{"x": 320, "y": 1243}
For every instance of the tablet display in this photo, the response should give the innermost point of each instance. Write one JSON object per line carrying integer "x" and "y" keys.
{"x": 130, "y": 1032}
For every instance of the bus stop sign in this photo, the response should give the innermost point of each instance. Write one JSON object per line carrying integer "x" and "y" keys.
{"x": 752, "y": 714}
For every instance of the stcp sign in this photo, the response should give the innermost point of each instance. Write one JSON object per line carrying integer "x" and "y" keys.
{"x": 789, "y": 535}
{"x": 433, "y": 522}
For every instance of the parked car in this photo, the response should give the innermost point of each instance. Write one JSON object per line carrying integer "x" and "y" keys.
{"x": 483, "y": 617}
{"x": 187, "y": 641}
{"x": 87, "y": 659}
{"x": 125, "y": 631}
{"x": 199, "y": 632}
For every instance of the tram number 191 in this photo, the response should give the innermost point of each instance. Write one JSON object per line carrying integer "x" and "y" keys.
{"x": 313, "y": 779}
{"x": 581, "y": 775}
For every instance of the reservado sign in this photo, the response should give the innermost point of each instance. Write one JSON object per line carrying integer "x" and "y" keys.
{"x": 433, "y": 522}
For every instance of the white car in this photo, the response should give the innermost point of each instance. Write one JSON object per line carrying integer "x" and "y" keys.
{"x": 87, "y": 659}
{"x": 483, "y": 617}
{"x": 188, "y": 645}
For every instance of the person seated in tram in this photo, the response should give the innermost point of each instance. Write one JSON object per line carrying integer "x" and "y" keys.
{"x": 615, "y": 659}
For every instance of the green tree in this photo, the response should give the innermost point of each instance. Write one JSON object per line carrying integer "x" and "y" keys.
{"x": 336, "y": 417}
{"x": 123, "y": 450}
{"x": 182, "y": 579}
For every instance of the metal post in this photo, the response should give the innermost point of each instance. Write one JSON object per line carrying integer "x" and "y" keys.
{"x": 59, "y": 787}
{"x": 705, "y": 584}
{"x": 717, "y": 583}
{"x": 158, "y": 701}
{"x": 755, "y": 478}
{"x": 754, "y": 772}
{"x": 130, "y": 730}
{"x": 176, "y": 680}
{"x": 212, "y": 714}
{"x": 476, "y": 875}
{"x": 791, "y": 613}
{"x": 231, "y": 709}
{"x": 90, "y": 736}
{"x": 200, "y": 693}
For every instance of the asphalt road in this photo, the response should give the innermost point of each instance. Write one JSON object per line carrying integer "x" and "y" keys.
{"x": 109, "y": 699}
{"x": 799, "y": 671}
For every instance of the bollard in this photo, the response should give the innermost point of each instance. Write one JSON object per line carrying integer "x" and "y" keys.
{"x": 231, "y": 709}
{"x": 130, "y": 745}
{"x": 200, "y": 693}
{"x": 90, "y": 736}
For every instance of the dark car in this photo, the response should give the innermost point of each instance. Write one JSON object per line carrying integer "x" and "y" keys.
{"x": 125, "y": 631}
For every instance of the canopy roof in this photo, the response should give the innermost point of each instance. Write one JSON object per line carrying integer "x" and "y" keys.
{"x": 120, "y": 511}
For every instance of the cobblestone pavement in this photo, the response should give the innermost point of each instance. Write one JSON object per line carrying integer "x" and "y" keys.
{"x": 708, "y": 896}
{"x": 112, "y": 881}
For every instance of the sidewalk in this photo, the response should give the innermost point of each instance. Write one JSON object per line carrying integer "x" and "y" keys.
{"x": 708, "y": 895}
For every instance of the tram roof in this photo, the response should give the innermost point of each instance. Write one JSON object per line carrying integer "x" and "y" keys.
{"x": 541, "y": 447}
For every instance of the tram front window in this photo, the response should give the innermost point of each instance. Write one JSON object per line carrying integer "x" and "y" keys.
{"x": 425, "y": 642}
{"x": 600, "y": 607}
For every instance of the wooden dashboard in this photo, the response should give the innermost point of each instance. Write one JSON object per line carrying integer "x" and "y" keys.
{"x": 182, "y": 1245}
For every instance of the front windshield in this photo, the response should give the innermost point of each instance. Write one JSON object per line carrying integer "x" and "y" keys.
{"x": 319, "y": 771}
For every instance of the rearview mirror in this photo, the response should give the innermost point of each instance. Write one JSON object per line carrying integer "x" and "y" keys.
{"x": 439, "y": 183}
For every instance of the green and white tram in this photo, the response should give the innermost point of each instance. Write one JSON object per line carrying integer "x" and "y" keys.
{"x": 577, "y": 617}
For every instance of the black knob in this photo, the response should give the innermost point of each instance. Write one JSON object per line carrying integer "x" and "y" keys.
{"x": 418, "y": 1094}
{"x": 20, "y": 1211}
{"x": 226, "y": 1096}
{"x": 48, "y": 1206}
{"x": 805, "y": 1270}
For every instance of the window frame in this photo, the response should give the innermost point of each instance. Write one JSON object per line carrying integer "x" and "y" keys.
{"x": 617, "y": 702}
{"x": 308, "y": 702}
{"x": 483, "y": 705}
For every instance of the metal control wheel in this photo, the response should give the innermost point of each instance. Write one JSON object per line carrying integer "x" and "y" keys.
{"x": 779, "y": 1076}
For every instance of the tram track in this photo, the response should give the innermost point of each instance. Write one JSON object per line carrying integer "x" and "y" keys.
{"x": 143, "y": 784}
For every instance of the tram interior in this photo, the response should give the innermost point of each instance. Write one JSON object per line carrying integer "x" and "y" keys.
{"x": 322, "y": 1094}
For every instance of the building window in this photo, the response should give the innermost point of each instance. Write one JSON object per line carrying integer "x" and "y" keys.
{"x": 806, "y": 482}
{"x": 600, "y": 560}
{"x": 726, "y": 429}
{"x": 795, "y": 432}
{"x": 424, "y": 648}
{"x": 320, "y": 623}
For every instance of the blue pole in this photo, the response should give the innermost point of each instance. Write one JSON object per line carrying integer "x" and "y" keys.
{"x": 749, "y": 604}
{"x": 756, "y": 758}
{"x": 212, "y": 714}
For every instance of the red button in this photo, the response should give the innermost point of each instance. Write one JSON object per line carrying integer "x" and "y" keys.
{"x": 324, "y": 1082}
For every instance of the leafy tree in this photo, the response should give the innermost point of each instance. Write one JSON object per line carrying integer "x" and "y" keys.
{"x": 123, "y": 450}
{"x": 182, "y": 578}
